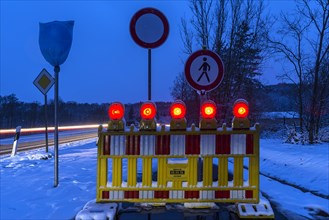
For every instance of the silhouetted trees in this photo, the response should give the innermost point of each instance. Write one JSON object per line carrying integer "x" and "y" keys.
{"x": 15, "y": 112}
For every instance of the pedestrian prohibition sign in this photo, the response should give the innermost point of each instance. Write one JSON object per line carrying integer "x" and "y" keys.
{"x": 204, "y": 70}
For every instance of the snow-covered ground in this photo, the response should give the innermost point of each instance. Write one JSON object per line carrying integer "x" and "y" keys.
{"x": 27, "y": 192}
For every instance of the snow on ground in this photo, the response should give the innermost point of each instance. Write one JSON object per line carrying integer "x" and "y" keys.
{"x": 304, "y": 165}
{"x": 27, "y": 192}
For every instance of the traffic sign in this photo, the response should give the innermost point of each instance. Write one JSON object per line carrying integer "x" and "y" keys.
{"x": 204, "y": 70}
{"x": 149, "y": 28}
{"x": 44, "y": 81}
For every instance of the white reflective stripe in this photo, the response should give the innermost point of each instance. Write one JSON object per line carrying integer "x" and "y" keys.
{"x": 176, "y": 194}
{"x": 147, "y": 145}
{"x": 207, "y": 144}
{"x": 122, "y": 145}
{"x": 177, "y": 144}
{"x": 146, "y": 194}
{"x": 238, "y": 143}
{"x": 207, "y": 194}
{"x": 116, "y": 194}
{"x": 237, "y": 194}
{"x": 117, "y": 145}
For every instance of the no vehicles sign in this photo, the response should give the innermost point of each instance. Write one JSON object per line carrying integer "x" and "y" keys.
{"x": 204, "y": 70}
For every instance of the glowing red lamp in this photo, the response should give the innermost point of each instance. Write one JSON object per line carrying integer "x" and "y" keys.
{"x": 148, "y": 111}
{"x": 208, "y": 110}
{"x": 116, "y": 111}
{"x": 241, "y": 108}
{"x": 178, "y": 110}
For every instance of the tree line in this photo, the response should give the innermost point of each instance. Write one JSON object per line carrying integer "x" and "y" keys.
{"x": 29, "y": 115}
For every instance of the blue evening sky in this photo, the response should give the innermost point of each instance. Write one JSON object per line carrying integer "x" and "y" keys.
{"x": 104, "y": 64}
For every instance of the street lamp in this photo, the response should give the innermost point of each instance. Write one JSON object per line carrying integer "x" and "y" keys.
{"x": 55, "y": 40}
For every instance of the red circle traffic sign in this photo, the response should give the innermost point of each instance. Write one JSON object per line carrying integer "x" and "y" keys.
{"x": 204, "y": 70}
{"x": 149, "y": 28}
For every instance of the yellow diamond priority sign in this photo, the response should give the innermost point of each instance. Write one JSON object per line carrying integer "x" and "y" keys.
{"x": 44, "y": 81}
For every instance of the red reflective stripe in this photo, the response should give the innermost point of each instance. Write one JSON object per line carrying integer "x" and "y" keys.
{"x": 223, "y": 143}
{"x": 133, "y": 145}
{"x": 192, "y": 144}
{"x": 166, "y": 142}
{"x": 161, "y": 194}
{"x": 128, "y": 145}
{"x": 191, "y": 194}
{"x": 131, "y": 194}
{"x": 106, "y": 145}
{"x": 250, "y": 144}
{"x": 105, "y": 194}
{"x": 158, "y": 147}
{"x": 162, "y": 145}
{"x": 249, "y": 194}
{"x": 222, "y": 194}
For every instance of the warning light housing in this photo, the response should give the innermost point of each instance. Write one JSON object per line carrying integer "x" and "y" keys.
{"x": 240, "y": 112}
{"x": 241, "y": 108}
{"x": 147, "y": 112}
{"x": 116, "y": 113}
{"x": 208, "y": 113}
{"x": 177, "y": 112}
{"x": 208, "y": 110}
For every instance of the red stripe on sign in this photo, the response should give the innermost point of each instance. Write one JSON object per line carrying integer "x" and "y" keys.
{"x": 162, "y": 145}
{"x": 106, "y": 145}
{"x": 133, "y": 145}
{"x": 250, "y": 144}
{"x": 222, "y": 194}
{"x": 249, "y": 194}
{"x": 223, "y": 143}
{"x": 192, "y": 144}
{"x": 191, "y": 194}
{"x": 105, "y": 194}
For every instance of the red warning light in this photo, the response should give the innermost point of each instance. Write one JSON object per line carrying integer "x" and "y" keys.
{"x": 116, "y": 111}
{"x": 241, "y": 108}
{"x": 208, "y": 110}
{"x": 148, "y": 110}
{"x": 178, "y": 110}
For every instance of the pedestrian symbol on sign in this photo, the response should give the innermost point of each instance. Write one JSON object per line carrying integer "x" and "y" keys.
{"x": 205, "y": 68}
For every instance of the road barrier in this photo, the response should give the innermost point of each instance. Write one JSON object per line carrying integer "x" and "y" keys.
{"x": 176, "y": 154}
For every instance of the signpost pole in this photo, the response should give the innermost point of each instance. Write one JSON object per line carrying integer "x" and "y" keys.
{"x": 46, "y": 123}
{"x": 56, "y": 69}
{"x": 149, "y": 74}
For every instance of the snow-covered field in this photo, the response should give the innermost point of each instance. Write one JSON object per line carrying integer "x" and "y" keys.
{"x": 27, "y": 192}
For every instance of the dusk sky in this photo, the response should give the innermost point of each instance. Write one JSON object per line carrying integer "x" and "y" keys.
{"x": 104, "y": 64}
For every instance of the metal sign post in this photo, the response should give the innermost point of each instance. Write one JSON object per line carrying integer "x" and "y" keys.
{"x": 55, "y": 40}
{"x": 44, "y": 82}
{"x": 149, "y": 28}
{"x": 46, "y": 123}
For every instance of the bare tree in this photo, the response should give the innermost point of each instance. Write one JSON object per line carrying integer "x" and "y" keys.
{"x": 306, "y": 31}
{"x": 290, "y": 47}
